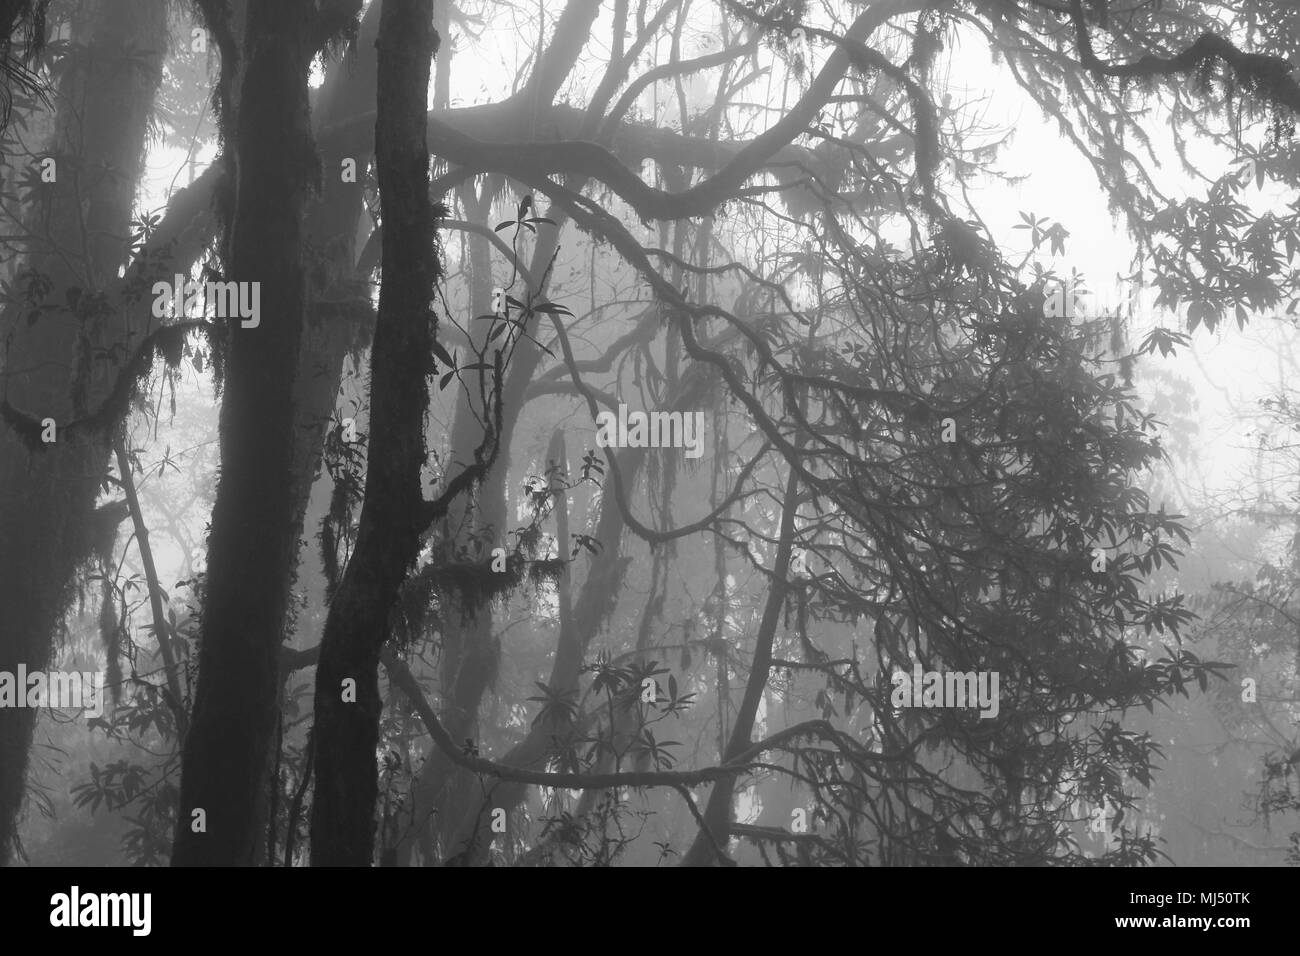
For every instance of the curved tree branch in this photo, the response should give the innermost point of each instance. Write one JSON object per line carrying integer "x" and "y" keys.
{"x": 1270, "y": 77}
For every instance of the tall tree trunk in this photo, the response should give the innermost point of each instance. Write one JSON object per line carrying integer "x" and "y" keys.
{"x": 254, "y": 540}
{"x": 388, "y": 537}
{"x": 339, "y": 314}
{"x": 47, "y": 496}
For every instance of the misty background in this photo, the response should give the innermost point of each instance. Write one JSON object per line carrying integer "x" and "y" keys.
{"x": 865, "y": 232}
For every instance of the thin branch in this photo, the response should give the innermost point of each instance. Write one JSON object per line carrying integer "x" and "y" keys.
{"x": 162, "y": 630}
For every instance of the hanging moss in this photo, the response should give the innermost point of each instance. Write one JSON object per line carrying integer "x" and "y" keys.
{"x": 546, "y": 571}
{"x": 167, "y": 343}
{"x": 473, "y": 585}
{"x": 104, "y": 529}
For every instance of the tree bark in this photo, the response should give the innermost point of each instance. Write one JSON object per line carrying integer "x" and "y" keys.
{"x": 339, "y": 313}
{"x": 339, "y": 322}
{"x": 253, "y": 540}
{"x": 47, "y": 497}
{"x": 388, "y": 536}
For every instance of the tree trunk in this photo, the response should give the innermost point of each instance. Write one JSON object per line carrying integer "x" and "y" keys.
{"x": 388, "y": 538}
{"x": 253, "y": 541}
{"x": 47, "y": 496}
{"x": 339, "y": 319}
{"x": 340, "y": 315}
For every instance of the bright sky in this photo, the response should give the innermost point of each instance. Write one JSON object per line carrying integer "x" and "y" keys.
{"x": 1229, "y": 370}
